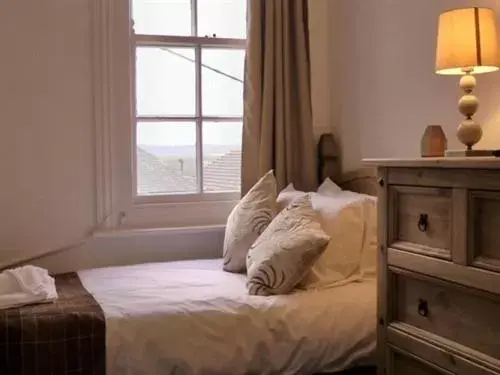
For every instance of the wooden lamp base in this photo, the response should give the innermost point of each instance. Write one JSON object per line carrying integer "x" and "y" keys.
{"x": 469, "y": 132}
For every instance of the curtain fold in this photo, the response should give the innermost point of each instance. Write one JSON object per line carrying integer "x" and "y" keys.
{"x": 277, "y": 125}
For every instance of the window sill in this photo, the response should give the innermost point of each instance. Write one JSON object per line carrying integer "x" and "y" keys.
{"x": 108, "y": 248}
{"x": 176, "y": 215}
{"x": 186, "y": 198}
{"x": 151, "y": 232}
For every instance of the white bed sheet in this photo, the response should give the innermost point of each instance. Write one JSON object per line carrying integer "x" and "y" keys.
{"x": 190, "y": 317}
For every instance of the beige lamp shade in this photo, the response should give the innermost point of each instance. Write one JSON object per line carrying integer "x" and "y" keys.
{"x": 467, "y": 42}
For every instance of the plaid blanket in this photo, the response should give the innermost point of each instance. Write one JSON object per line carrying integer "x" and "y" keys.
{"x": 64, "y": 337}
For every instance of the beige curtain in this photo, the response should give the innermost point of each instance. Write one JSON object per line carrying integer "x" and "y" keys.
{"x": 277, "y": 132}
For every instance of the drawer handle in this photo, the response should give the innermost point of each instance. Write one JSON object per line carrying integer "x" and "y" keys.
{"x": 423, "y": 222}
{"x": 423, "y": 309}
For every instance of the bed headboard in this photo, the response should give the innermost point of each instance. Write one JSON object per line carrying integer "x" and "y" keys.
{"x": 362, "y": 180}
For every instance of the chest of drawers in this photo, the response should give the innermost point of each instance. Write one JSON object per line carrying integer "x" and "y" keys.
{"x": 439, "y": 266}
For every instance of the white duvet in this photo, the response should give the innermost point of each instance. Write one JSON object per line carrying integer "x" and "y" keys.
{"x": 190, "y": 317}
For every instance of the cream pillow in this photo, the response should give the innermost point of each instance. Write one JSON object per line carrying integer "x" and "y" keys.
{"x": 349, "y": 219}
{"x": 370, "y": 239}
{"x": 247, "y": 221}
{"x": 286, "y": 250}
{"x": 340, "y": 263}
{"x": 288, "y": 195}
{"x": 329, "y": 188}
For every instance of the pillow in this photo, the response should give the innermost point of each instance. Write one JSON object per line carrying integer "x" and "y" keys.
{"x": 340, "y": 263}
{"x": 247, "y": 221}
{"x": 370, "y": 240}
{"x": 288, "y": 195}
{"x": 349, "y": 219}
{"x": 284, "y": 253}
{"x": 329, "y": 188}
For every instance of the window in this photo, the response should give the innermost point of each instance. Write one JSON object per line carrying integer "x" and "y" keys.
{"x": 189, "y": 62}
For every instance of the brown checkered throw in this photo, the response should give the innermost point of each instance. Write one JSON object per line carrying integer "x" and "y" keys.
{"x": 67, "y": 336}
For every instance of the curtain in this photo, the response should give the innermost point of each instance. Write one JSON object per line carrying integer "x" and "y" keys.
{"x": 277, "y": 124}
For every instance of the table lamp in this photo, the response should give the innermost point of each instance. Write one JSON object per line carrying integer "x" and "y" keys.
{"x": 467, "y": 44}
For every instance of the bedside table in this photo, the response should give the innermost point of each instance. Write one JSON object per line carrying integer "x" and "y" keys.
{"x": 439, "y": 266}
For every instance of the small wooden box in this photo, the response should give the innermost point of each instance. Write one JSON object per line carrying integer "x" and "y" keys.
{"x": 434, "y": 142}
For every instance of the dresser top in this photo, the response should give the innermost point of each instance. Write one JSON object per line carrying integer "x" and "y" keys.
{"x": 471, "y": 162}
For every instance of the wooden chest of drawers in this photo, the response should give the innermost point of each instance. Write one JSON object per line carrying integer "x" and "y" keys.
{"x": 439, "y": 266}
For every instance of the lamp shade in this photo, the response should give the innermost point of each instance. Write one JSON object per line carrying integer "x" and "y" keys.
{"x": 467, "y": 42}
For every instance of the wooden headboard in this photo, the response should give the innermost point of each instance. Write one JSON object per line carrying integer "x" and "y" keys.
{"x": 362, "y": 180}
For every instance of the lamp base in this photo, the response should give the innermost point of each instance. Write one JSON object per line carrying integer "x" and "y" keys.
{"x": 470, "y": 153}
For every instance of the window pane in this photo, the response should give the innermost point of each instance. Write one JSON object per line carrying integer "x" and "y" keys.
{"x": 222, "y": 156}
{"x": 162, "y": 17}
{"x": 225, "y": 18}
{"x": 165, "y": 81}
{"x": 166, "y": 158}
{"x": 222, "y": 80}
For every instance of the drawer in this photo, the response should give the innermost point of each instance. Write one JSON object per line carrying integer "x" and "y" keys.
{"x": 465, "y": 316}
{"x": 405, "y": 364}
{"x": 484, "y": 233}
{"x": 420, "y": 220}
{"x": 439, "y": 353}
{"x": 462, "y": 178}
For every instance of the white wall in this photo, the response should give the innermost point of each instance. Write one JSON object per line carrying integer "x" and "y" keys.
{"x": 384, "y": 89}
{"x": 46, "y": 163}
{"x": 47, "y": 146}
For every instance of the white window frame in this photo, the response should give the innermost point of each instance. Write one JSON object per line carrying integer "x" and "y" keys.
{"x": 117, "y": 203}
{"x": 198, "y": 43}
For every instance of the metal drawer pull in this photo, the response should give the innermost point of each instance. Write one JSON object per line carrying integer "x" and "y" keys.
{"x": 423, "y": 310}
{"x": 423, "y": 222}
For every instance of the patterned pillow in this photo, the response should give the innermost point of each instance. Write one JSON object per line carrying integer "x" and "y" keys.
{"x": 248, "y": 220}
{"x": 287, "y": 249}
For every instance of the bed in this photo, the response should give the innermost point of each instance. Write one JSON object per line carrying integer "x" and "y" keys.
{"x": 190, "y": 317}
